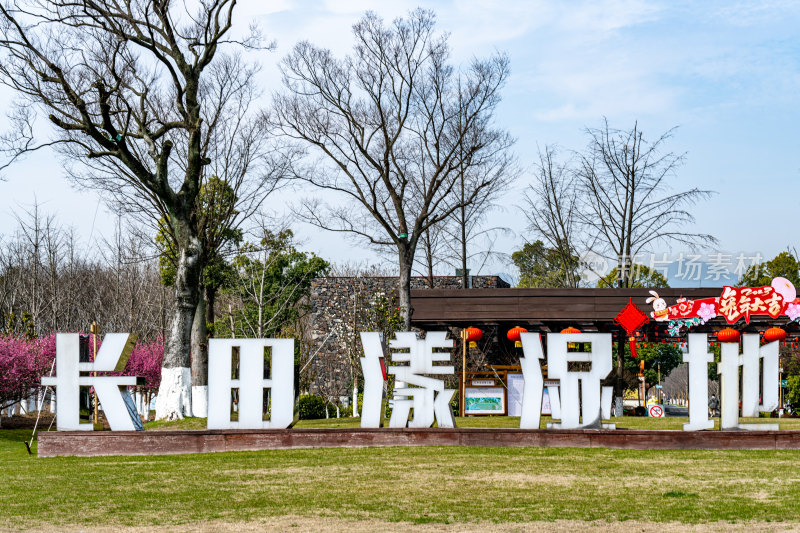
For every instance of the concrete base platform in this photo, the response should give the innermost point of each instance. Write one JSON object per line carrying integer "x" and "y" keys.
{"x": 93, "y": 443}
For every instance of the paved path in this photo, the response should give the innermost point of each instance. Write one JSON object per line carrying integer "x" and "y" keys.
{"x": 674, "y": 410}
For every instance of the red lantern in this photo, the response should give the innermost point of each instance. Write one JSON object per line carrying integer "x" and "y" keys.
{"x": 473, "y": 334}
{"x": 514, "y": 333}
{"x": 570, "y": 330}
{"x": 774, "y": 334}
{"x": 728, "y": 335}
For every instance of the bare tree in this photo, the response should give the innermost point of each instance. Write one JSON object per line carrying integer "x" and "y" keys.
{"x": 434, "y": 252}
{"x": 454, "y": 240}
{"x": 49, "y": 282}
{"x": 552, "y": 209}
{"x": 392, "y": 125}
{"x": 134, "y": 91}
{"x": 630, "y": 203}
{"x": 496, "y": 165}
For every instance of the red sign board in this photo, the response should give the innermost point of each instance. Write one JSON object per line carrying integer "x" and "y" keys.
{"x": 736, "y": 303}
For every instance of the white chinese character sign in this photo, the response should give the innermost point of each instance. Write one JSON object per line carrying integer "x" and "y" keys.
{"x": 414, "y": 390}
{"x": 112, "y": 391}
{"x": 263, "y": 364}
{"x": 584, "y": 403}
{"x": 242, "y": 370}
{"x": 759, "y": 377}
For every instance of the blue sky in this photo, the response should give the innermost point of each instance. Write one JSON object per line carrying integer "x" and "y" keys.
{"x": 726, "y": 73}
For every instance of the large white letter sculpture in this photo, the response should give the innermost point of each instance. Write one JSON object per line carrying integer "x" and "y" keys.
{"x": 752, "y": 351}
{"x": 372, "y": 402}
{"x": 533, "y": 387}
{"x": 729, "y": 364}
{"x": 420, "y": 358}
{"x": 251, "y": 383}
{"x": 112, "y": 391}
{"x": 580, "y": 392}
{"x": 698, "y": 359}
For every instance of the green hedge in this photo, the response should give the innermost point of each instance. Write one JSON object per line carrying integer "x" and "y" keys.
{"x": 311, "y": 406}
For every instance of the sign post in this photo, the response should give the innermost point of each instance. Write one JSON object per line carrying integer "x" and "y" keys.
{"x": 463, "y": 371}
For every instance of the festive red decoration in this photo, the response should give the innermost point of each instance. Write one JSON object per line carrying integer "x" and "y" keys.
{"x": 728, "y": 335}
{"x": 631, "y": 318}
{"x": 514, "y": 333}
{"x": 774, "y": 334}
{"x": 473, "y": 334}
{"x": 736, "y": 303}
{"x": 570, "y": 330}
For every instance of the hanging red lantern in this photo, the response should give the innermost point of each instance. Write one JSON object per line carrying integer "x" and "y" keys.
{"x": 728, "y": 335}
{"x": 774, "y": 334}
{"x": 514, "y": 333}
{"x": 570, "y": 330}
{"x": 473, "y": 334}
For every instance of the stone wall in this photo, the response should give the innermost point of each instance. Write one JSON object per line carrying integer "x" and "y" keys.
{"x": 338, "y": 306}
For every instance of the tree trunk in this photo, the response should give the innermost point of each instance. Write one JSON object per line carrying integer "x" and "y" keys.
{"x": 174, "y": 394}
{"x": 430, "y": 270}
{"x": 406, "y": 254}
{"x": 463, "y": 221}
{"x": 200, "y": 360}
{"x": 211, "y": 298}
{"x": 619, "y": 385}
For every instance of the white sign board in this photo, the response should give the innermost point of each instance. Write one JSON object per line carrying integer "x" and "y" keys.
{"x": 484, "y": 401}
{"x": 515, "y": 383}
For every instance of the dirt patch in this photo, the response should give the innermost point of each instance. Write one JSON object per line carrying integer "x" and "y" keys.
{"x": 523, "y": 478}
{"x": 27, "y": 421}
{"x": 331, "y": 525}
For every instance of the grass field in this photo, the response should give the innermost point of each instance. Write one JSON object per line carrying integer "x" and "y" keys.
{"x": 429, "y": 489}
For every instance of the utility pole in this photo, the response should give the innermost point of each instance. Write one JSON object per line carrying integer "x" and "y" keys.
{"x": 463, "y": 370}
{"x": 659, "y": 382}
{"x": 780, "y": 391}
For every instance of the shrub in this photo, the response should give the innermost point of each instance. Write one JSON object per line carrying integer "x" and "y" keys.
{"x": 310, "y": 407}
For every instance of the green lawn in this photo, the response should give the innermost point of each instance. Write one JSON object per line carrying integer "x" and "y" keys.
{"x": 416, "y": 485}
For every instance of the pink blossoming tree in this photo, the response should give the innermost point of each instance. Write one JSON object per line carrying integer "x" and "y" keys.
{"x": 22, "y": 364}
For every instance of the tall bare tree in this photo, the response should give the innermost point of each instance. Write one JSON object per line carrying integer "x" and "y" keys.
{"x": 630, "y": 203}
{"x": 135, "y": 92}
{"x": 50, "y": 282}
{"x": 391, "y": 126}
{"x": 434, "y": 252}
{"x": 465, "y": 226}
{"x": 552, "y": 209}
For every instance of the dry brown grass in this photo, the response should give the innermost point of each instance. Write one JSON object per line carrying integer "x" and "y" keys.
{"x": 303, "y": 524}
